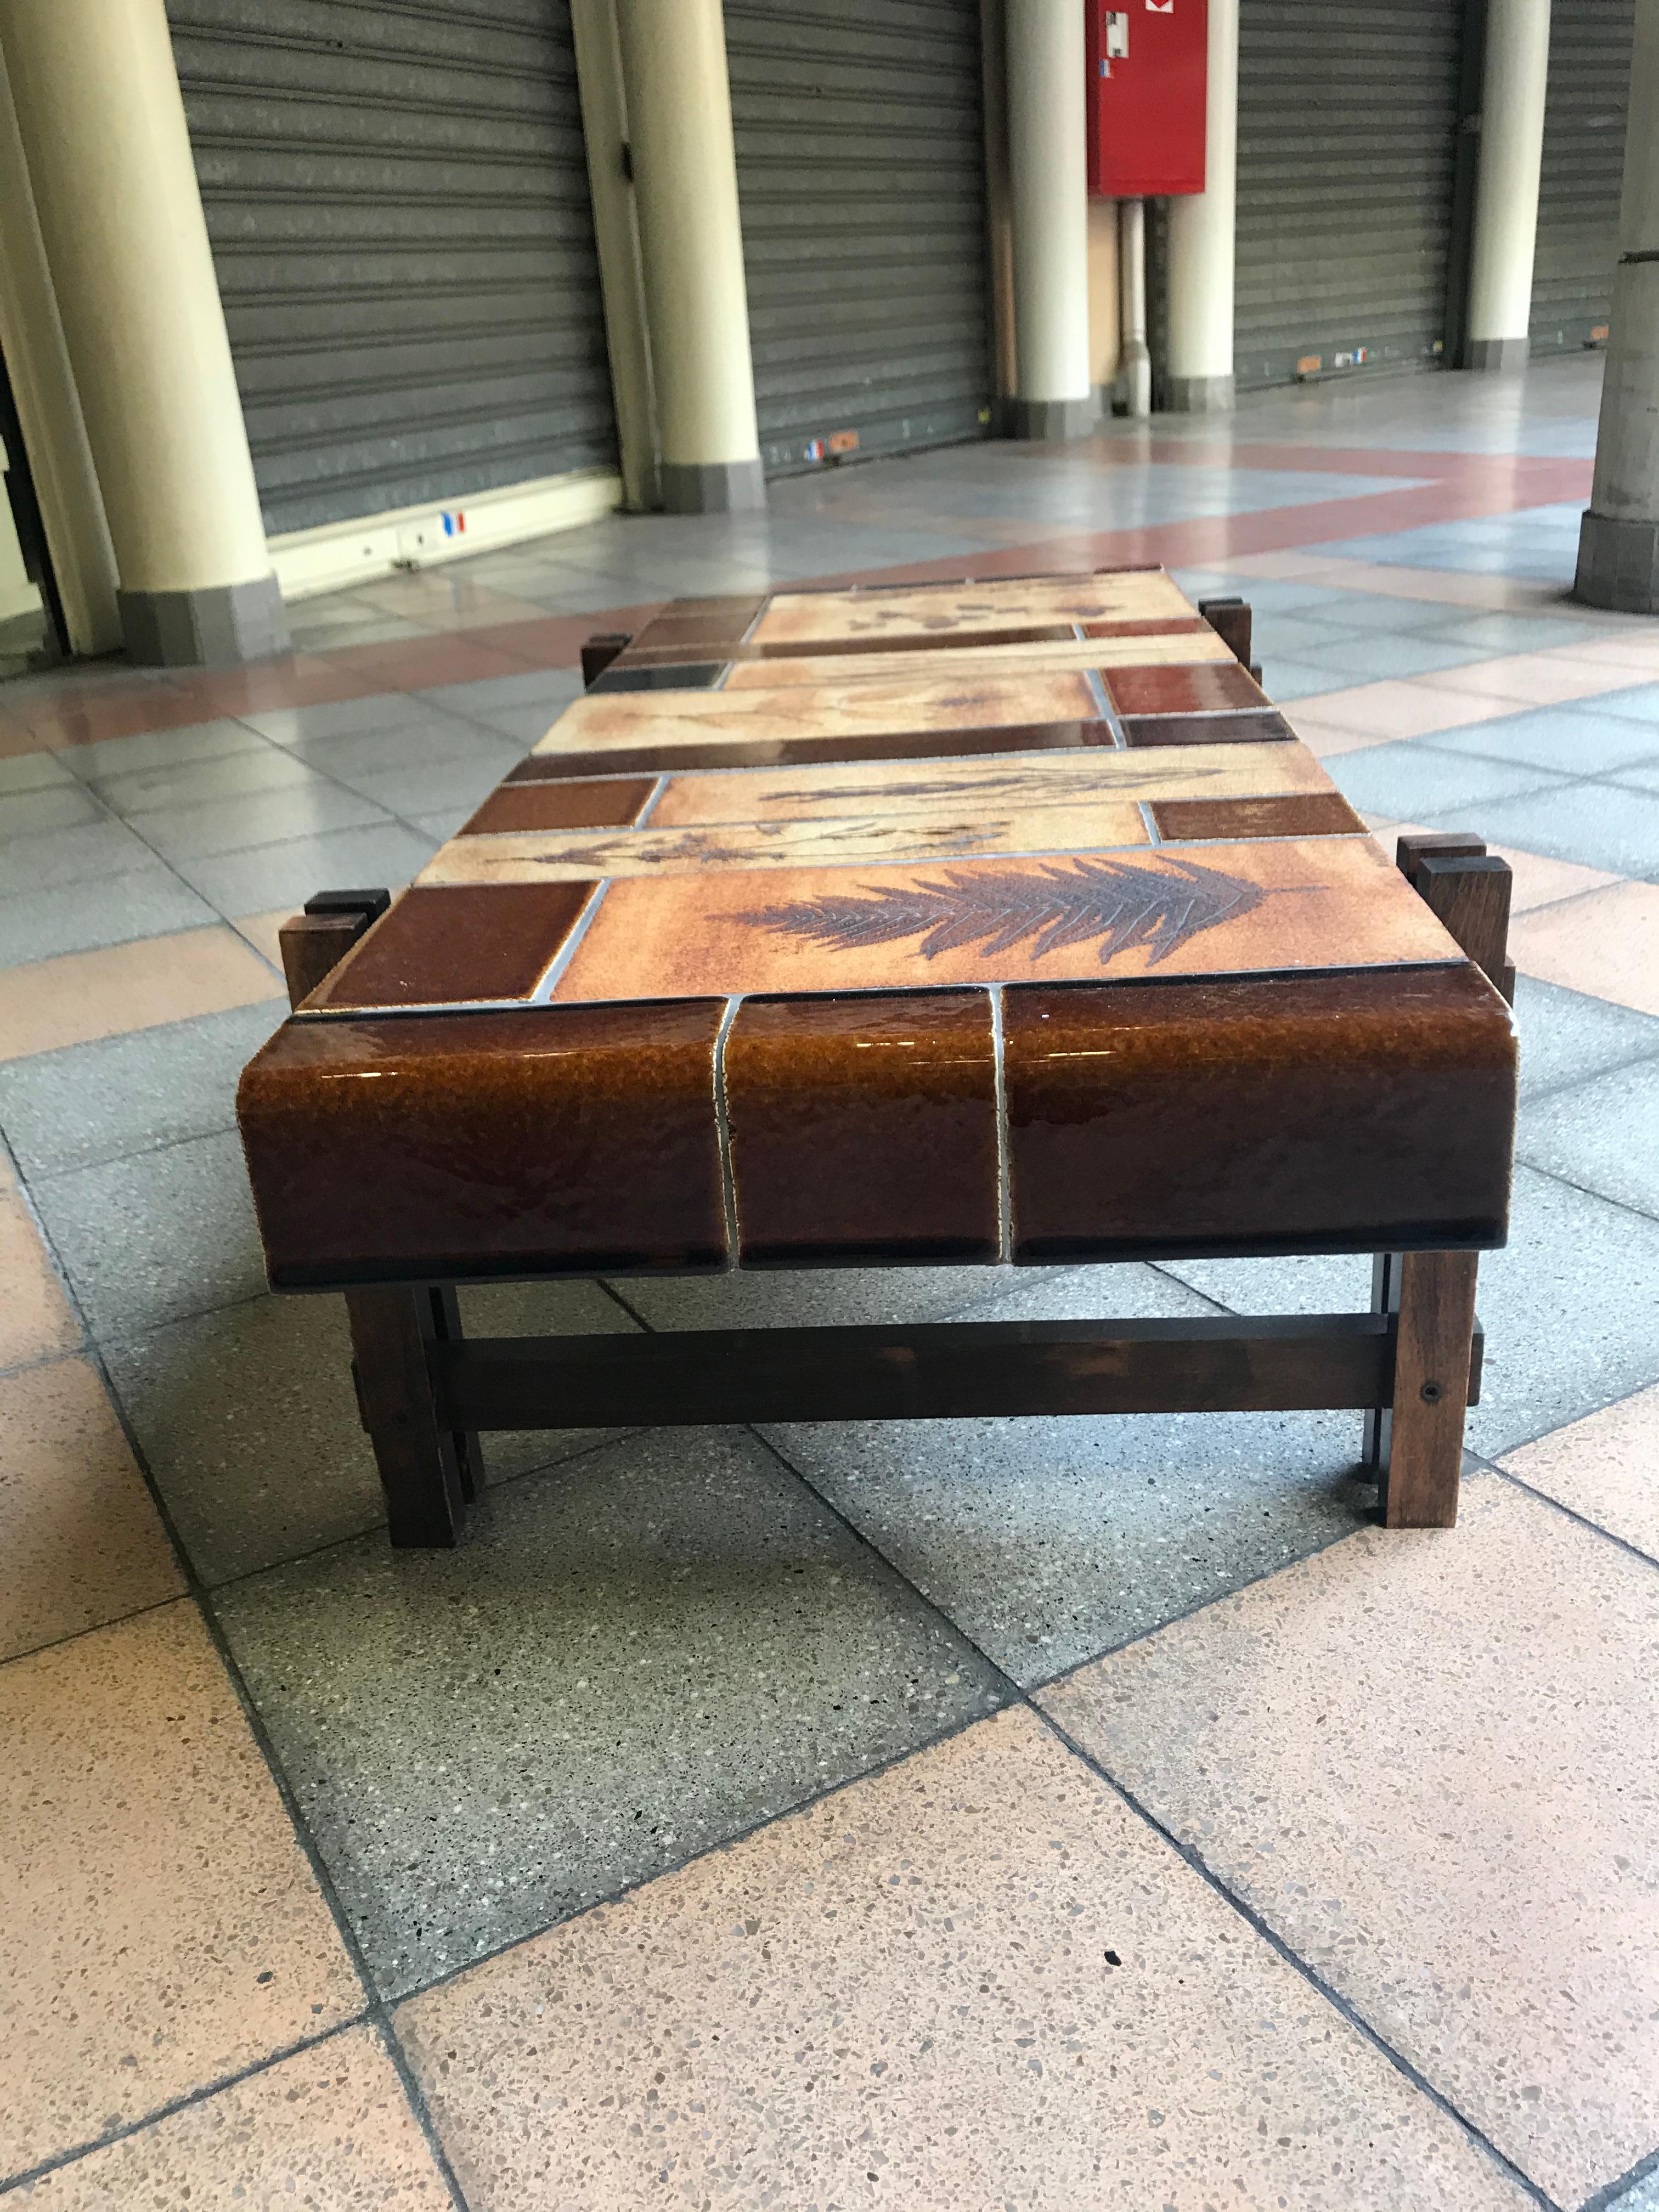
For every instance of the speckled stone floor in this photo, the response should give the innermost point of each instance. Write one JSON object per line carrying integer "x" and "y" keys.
{"x": 1065, "y": 1815}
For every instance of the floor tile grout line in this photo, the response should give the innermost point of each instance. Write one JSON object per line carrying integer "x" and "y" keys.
{"x": 1502, "y": 1473}
{"x": 174, "y": 2105}
{"x": 1607, "y": 2199}
{"x": 1017, "y": 1695}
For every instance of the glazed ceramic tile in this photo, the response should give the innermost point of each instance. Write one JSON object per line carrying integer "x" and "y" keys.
{"x": 1424, "y": 1758}
{"x": 1238, "y": 909}
{"x": 976, "y": 1980}
{"x": 447, "y": 943}
{"x": 875, "y": 614}
{"x": 520, "y": 806}
{"x": 1043, "y": 657}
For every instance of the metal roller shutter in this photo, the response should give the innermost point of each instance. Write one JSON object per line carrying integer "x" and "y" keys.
{"x": 860, "y": 146}
{"x": 1583, "y": 168}
{"x": 1348, "y": 114}
{"x": 396, "y": 195}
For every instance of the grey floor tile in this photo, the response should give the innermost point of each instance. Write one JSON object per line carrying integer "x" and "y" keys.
{"x": 56, "y": 806}
{"x": 78, "y": 917}
{"x": 88, "y": 853}
{"x": 1602, "y": 1134}
{"x": 95, "y": 1102}
{"x": 1524, "y": 633}
{"x": 1386, "y": 653}
{"x": 1642, "y": 776}
{"x": 37, "y": 771}
{"x": 1567, "y": 1037}
{"x": 1298, "y": 679}
{"x": 1566, "y": 740}
{"x": 156, "y": 1236}
{"x": 630, "y": 1659}
{"x": 248, "y": 1424}
{"x": 538, "y": 1309}
{"x": 433, "y": 738}
{"x": 309, "y": 808}
{"x": 461, "y": 784}
{"x": 179, "y": 784}
{"x": 1048, "y": 1540}
{"x": 1640, "y": 704}
{"x": 1411, "y": 780}
{"x": 553, "y": 688}
{"x": 1602, "y": 825}
{"x": 816, "y": 1297}
{"x": 278, "y": 875}
{"x": 525, "y": 726}
{"x": 300, "y": 727}
{"x": 149, "y": 749}
{"x": 1644, "y": 2197}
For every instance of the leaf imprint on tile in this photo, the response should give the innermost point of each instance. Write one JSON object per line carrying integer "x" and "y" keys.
{"x": 1051, "y": 907}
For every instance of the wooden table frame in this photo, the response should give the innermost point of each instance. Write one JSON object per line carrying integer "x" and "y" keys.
{"x": 1411, "y": 1364}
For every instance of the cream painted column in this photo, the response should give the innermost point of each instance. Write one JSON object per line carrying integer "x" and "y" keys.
{"x": 1048, "y": 197}
{"x": 1514, "y": 78}
{"x": 1199, "y": 375}
{"x": 1619, "y": 540}
{"x": 103, "y": 128}
{"x": 685, "y": 190}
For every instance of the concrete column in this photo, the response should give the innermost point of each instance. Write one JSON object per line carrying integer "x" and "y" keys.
{"x": 685, "y": 189}
{"x": 616, "y": 230}
{"x": 1619, "y": 540}
{"x": 49, "y": 409}
{"x": 1515, "y": 76}
{"x": 103, "y": 127}
{"x": 1048, "y": 191}
{"x": 1198, "y": 374}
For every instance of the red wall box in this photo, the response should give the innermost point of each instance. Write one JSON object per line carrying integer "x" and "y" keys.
{"x": 1148, "y": 77}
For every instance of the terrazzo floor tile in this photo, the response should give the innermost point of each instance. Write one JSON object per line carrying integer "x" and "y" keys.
{"x": 156, "y": 1236}
{"x": 1605, "y": 1467}
{"x": 148, "y": 750}
{"x": 94, "y": 1103}
{"x": 465, "y": 783}
{"x": 1384, "y": 655}
{"x": 975, "y": 1981}
{"x": 288, "y": 875}
{"x": 1566, "y": 740}
{"x": 301, "y": 727}
{"x": 1602, "y": 1134}
{"x": 631, "y": 1658}
{"x": 329, "y": 2130}
{"x": 538, "y": 1309}
{"x": 86, "y": 853}
{"x": 1048, "y": 1539}
{"x": 1414, "y": 782}
{"x": 163, "y": 1927}
{"x": 1395, "y": 710}
{"x": 1606, "y": 945}
{"x": 1597, "y": 825}
{"x": 36, "y": 1319}
{"x": 149, "y": 900}
{"x": 29, "y": 813}
{"x": 82, "y": 1541}
{"x": 181, "y": 785}
{"x": 1426, "y": 1759}
{"x": 309, "y": 809}
{"x": 35, "y": 771}
{"x": 426, "y": 735}
{"x": 80, "y": 996}
{"x": 790, "y": 1298}
{"x": 1567, "y": 1037}
{"x": 1642, "y": 2198}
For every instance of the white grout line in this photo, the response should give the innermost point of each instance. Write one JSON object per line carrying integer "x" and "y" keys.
{"x": 723, "y": 1128}
{"x": 651, "y": 804}
{"x": 1005, "y": 1178}
{"x": 562, "y": 959}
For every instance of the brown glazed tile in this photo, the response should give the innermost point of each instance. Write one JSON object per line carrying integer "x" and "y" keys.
{"x": 1250, "y": 907}
{"x": 1192, "y": 689}
{"x": 717, "y": 623}
{"x": 946, "y": 657}
{"x": 864, "y": 1128}
{"x": 36, "y": 1319}
{"x": 976, "y": 1981}
{"x": 1318, "y": 814}
{"x": 329, "y": 2130}
{"x": 1426, "y": 1759}
{"x": 724, "y": 752}
{"x": 446, "y": 943}
{"x": 530, "y": 804}
{"x": 875, "y": 616}
{"x": 1238, "y": 729}
{"x": 82, "y": 1541}
{"x": 543, "y": 1140}
{"x": 163, "y": 1928}
{"x": 1015, "y": 633}
{"x": 1359, "y": 1112}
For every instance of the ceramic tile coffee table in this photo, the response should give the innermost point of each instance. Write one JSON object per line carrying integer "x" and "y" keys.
{"x": 944, "y": 924}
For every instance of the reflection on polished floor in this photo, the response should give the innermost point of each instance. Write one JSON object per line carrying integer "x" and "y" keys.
{"x": 1053, "y": 1814}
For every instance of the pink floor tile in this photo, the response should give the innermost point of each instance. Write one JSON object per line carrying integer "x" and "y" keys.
{"x": 1605, "y": 1468}
{"x": 1607, "y": 944}
{"x": 1379, "y": 713}
{"x": 1427, "y": 1761}
{"x": 977, "y": 1980}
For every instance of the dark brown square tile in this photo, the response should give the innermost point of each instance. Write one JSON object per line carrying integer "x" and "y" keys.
{"x": 1311, "y": 814}
{"x": 524, "y": 804}
{"x": 446, "y": 943}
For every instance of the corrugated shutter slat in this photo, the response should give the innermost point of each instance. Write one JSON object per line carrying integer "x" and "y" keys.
{"x": 397, "y": 196}
{"x": 1578, "y": 190}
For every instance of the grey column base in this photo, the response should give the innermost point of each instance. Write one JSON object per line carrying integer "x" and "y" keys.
{"x": 1054, "y": 419}
{"x": 1618, "y": 565}
{"x": 214, "y": 627}
{"x": 1498, "y": 356}
{"x": 712, "y": 487}
{"x": 1199, "y": 395}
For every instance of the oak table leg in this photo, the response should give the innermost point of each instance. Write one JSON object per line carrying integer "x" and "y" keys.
{"x": 1416, "y": 1444}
